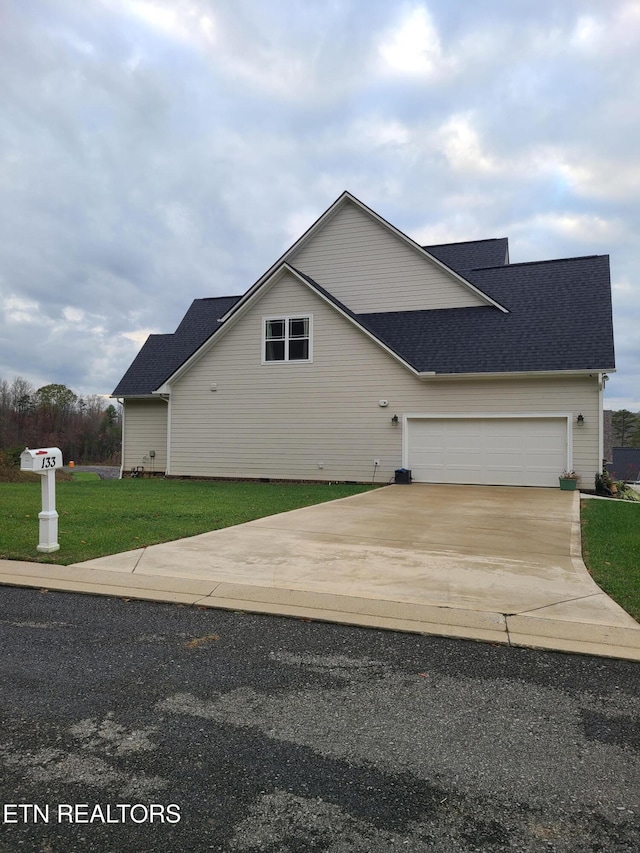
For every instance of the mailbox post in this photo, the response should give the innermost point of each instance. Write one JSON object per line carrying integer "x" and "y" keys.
{"x": 44, "y": 462}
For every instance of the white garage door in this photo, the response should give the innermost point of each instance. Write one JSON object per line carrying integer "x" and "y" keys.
{"x": 487, "y": 451}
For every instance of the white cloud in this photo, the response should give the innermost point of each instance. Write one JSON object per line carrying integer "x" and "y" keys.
{"x": 20, "y": 310}
{"x": 456, "y": 229}
{"x": 178, "y": 218}
{"x": 461, "y": 144}
{"x": 296, "y": 223}
{"x": 609, "y": 34}
{"x": 376, "y": 131}
{"x": 600, "y": 177}
{"x": 73, "y": 315}
{"x": 413, "y": 47}
{"x": 582, "y": 227}
{"x": 587, "y": 33}
{"x": 179, "y": 19}
{"x": 139, "y": 336}
{"x": 623, "y": 287}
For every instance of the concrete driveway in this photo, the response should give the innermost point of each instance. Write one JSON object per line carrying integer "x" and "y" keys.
{"x": 492, "y": 563}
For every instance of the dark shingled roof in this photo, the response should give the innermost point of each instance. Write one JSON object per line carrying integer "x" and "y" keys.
{"x": 559, "y": 319}
{"x": 472, "y": 254}
{"x": 162, "y": 355}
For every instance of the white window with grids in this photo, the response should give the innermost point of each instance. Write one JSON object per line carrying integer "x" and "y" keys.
{"x": 287, "y": 338}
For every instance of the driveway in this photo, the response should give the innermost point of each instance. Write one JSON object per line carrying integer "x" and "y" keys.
{"x": 490, "y": 563}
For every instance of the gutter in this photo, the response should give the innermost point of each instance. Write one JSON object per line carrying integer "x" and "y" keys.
{"x": 121, "y": 403}
{"x": 516, "y": 374}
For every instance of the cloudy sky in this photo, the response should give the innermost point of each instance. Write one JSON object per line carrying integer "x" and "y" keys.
{"x": 156, "y": 151}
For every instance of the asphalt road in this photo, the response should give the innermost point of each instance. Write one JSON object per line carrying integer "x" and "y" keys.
{"x": 148, "y": 727}
{"x": 105, "y": 472}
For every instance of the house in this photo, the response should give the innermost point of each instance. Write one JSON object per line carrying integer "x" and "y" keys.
{"x": 625, "y": 464}
{"x": 359, "y": 352}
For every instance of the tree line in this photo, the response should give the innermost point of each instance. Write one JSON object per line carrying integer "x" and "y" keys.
{"x": 86, "y": 429}
{"x": 626, "y": 428}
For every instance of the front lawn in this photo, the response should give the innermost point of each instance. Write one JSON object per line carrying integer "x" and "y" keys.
{"x": 100, "y": 517}
{"x": 611, "y": 549}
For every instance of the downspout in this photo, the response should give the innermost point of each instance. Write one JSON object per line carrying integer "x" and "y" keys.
{"x": 121, "y": 403}
{"x": 602, "y": 380}
{"x": 167, "y": 399}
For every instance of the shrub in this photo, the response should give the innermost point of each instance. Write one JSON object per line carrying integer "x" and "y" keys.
{"x": 10, "y": 468}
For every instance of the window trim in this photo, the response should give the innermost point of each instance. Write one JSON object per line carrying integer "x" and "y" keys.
{"x": 286, "y": 318}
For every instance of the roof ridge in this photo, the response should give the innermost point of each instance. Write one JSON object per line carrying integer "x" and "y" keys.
{"x": 323, "y": 290}
{"x": 211, "y": 298}
{"x": 423, "y": 311}
{"x": 534, "y": 263}
{"x": 463, "y": 242}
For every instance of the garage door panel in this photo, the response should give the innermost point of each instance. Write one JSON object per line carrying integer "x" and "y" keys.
{"x": 500, "y": 451}
{"x": 461, "y": 458}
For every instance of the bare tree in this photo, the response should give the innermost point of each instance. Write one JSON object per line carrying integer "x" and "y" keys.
{"x": 87, "y": 429}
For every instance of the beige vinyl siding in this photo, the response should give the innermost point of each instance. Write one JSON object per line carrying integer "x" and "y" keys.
{"x": 282, "y": 420}
{"x": 145, "y": 429}
{"x": 370, "y": 269}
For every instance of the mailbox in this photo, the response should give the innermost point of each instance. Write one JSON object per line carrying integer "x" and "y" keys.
{"x": 42, "y": 460}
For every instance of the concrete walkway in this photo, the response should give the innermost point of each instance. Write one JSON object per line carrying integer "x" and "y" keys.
{"x": 497, "y": 564}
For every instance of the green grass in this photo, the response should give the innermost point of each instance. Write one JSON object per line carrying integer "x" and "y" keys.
{"x": 611, "y": 549}
{"x": 103, "y": 517}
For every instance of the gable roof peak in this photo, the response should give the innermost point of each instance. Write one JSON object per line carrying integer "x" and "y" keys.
{"x": 348, "y": 197}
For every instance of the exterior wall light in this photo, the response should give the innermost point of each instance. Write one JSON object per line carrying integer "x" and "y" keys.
{"x": 580, "y": 419}
{"x": 394, "y": 419}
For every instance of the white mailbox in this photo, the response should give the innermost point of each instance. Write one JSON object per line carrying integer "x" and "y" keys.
{"x": 41, "y": 460}
{"x": 44, "y": 461}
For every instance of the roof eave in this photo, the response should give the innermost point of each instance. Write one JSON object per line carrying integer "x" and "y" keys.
{"x": 148, "y": 396}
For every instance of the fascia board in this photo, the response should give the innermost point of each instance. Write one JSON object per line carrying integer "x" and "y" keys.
{"x": 330, "y": 212}
{"x": 125, "y": 397}
{"x": 517, "y": 374}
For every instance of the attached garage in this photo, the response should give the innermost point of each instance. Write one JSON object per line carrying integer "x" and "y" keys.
{"x": 487, "y": 450}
